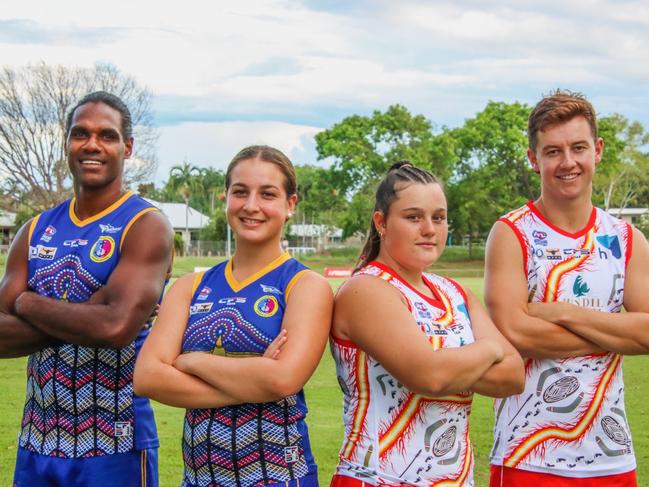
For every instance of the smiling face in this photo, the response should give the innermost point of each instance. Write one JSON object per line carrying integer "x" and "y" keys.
{"x": 415, "y": 228}
{"x": 96, "y": 148}
{"x": 565, "y": 157}
{"x": 257, "y": 203}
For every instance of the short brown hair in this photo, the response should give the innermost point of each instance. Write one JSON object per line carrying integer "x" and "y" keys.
{"x": 266, "y": 154}
{"x": 559, "y": 107}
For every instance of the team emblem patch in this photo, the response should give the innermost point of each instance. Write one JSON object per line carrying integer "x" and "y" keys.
{"x": 48, "y": 233}
{"x": 102, "y": 249}
{"x": 266, "y": 306}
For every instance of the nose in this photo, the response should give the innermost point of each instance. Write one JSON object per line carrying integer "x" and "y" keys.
{"x": 251, "y": 204}
{"x": 427, "y": 227}
{"x": 567, "y": 159}
{"x": 91, "y": 144}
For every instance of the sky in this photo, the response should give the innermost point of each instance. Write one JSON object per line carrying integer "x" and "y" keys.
{"x": 225, "y": 75}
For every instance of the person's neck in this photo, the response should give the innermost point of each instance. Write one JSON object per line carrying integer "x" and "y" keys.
{"x": 251, "y": 258}
{"x": 411, "y": 276}
{"x": 89, "y": 202}
{"x": 568, "y": 215}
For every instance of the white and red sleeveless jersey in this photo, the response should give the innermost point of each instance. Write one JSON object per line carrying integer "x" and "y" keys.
{"x": 570, "y": 419}
{"x": 393, "y": 436}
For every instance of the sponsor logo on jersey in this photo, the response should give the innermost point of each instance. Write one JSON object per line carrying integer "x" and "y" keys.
{"x": 585, "y": 302}
{"x": 102, "y": 249}
{"x": 422, "y": 311}
{"x": 204, "y": 294}
{"x": 42, "y": 252}
{"x": 611, "y": 243}
{"x": 540, "y": 238}
{"x": 270, "y": 289}
{"x": 77, "y": 242}
{"x": 576, "y": 252}
{"x": 48, "y": 233}
{"x": 231, "y": 301}
{"x": 200, "y": 308}
{"x": 108, "y": 228}
{"x": 580, "y": 288}
{"x": 553, "y": 254}
{"x": 266, "y": 306}
{"x": 123, "y": 428}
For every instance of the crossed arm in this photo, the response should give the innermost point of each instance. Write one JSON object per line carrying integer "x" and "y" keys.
{"x": 387, "y": 332}
{"x": 111, "y": 318}
{"x": 201, "y": 380}
{"x": 561, "y": 330}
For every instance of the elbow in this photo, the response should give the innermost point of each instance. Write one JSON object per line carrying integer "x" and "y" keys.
{"x": 281, "y": 387}
{"x": 142, "y": 380}
{"x": 117, "y": 334}
{"x": 435, "y": 385}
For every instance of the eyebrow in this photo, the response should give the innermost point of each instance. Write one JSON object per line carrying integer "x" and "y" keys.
{"x": 415, "y": 208}
{"x": 244, "y": 185}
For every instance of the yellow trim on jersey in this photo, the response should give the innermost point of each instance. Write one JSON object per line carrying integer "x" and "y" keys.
{"x": 238, "y": 286}
{"x": 32, "y": 225}
{"x": 133, "y": 220}
{"x": 567, "y": 434}
{"x": 197, "y": 281}
{"x": 143, "y": 468}
{"x": 292, "y": 282}
{"x": 101, "y": 214}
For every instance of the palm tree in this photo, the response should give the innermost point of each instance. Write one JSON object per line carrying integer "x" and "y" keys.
{"x": 184, "y": 179}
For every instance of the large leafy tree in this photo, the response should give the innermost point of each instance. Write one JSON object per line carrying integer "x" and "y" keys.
{"x": 34, "y": 102}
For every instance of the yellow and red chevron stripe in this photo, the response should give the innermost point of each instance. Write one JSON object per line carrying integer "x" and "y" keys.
{"x": 363, "y": 394}
{"x": 554, "y": 276}
{"x": 516, "y": 215}
{"x": 567, "y": 435}
{"x": 466, "y": 467}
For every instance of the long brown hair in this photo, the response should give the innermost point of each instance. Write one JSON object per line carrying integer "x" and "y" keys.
{"x": 400, "y": 172}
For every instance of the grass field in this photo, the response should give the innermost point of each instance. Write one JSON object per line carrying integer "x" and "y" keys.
{"x": 324, "y": 400}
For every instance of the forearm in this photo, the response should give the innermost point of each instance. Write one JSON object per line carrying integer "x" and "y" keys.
{"x": 87, "y": 324}
{"x": 503, "y": 379}
{"x": 624, "y": 333}
{"x": 538, "y": 339}
{"x": 168, "y": 385}
{"x": 248, "y": 379}
{"x": 18, "y": 338}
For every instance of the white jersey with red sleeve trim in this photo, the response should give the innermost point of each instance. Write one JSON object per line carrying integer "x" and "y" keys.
{"x": 570, "y": 419}
{"x": 393, "y": 436}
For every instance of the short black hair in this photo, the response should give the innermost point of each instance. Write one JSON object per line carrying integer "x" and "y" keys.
{"x": 112, "y": 101}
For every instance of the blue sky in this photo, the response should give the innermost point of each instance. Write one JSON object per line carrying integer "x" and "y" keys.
{"x": 225, "y": 75}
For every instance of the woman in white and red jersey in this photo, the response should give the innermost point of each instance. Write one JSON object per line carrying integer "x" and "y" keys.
{"x": 411, "y": 347}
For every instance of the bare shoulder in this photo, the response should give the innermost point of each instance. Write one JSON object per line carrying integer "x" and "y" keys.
{"x": 360, "y": 289}
{"x": 310, "y": 283}
{"x": 150, "y": 233}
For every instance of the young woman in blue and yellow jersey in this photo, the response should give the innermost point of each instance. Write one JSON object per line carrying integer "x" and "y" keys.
{"x": 236, "y": 344}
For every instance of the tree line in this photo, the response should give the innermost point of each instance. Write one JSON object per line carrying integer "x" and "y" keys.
{"x": 483, "y": 163}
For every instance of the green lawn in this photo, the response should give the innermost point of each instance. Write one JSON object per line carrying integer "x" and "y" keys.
{"x": 324, "y": 399}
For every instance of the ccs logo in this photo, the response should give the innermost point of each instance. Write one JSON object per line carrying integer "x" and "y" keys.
{"x": 232, "y": 301}
{"x": 266, "y": 306}
{"x": 102, "y": 249}
{"x": 77, "y": 242}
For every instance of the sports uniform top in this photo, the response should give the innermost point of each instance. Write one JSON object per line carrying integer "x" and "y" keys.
{"x": 570, "y": 418}
{"x": 80, "y": 400}
{"x": 245, "y": 444}
{"x": 393, "y": 436}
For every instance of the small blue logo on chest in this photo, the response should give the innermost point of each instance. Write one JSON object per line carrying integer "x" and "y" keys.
{"x": 266, "y": 306}
{"x": 48, "y": 233}
{"x": 422, "y": 311}
{"x": 204, "y": 294}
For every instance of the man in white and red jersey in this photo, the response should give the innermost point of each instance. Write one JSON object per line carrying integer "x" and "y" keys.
{"x": 558, "y": 272}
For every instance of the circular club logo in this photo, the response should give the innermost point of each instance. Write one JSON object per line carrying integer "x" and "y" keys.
{"x": 102, "y": 249}
{"x": 266, "y": 306}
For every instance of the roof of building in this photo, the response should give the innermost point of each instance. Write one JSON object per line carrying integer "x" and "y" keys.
{"x": 7, "y": 219}
{"x": 180, "y": 216}
{"x": 312, "y": 230}
{"x": 628, "y": 211}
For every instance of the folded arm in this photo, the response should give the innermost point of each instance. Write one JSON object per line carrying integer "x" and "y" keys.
{"x": 503, "y": 378}
{"x": 112, "y": 318}
{"x": 625, "y": 333}
{"x": 388, "y": 333}
{"x": 17, "y": 337}
{"x": 506, "y": 297}
{"x": 307, "y": 320}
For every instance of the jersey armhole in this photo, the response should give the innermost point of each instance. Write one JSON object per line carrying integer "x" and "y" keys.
{"x": 197, "y": 280}
{"x": 629, "y": 246}
{"x": 32, "y": 226}
{"x": 133, "y": 220}
{"x": 460, "y": 289}
{"x": 520, "y": 239}
{"x": 291, "y": 283}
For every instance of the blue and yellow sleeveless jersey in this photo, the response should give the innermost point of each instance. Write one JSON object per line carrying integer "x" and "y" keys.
{"x": 246, "y": 444}
{"x": 80, "y": 401}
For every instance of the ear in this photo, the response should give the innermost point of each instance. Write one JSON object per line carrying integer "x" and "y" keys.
{"x": 292, "y": 201}
{"x": 599, "y": 150}
{"x": 531, "y": 156}
{"x": 378, "y": 218}
{"x": 128, "y": 147}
